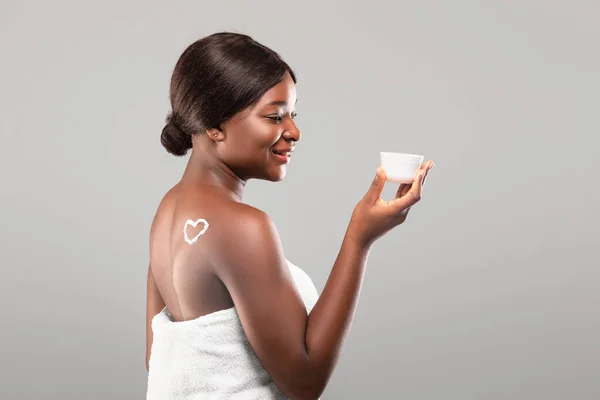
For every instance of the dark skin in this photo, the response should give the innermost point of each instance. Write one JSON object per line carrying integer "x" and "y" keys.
{"x": 239, "y": 261}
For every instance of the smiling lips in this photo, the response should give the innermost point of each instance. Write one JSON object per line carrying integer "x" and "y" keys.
{"x": 283, "y": 155}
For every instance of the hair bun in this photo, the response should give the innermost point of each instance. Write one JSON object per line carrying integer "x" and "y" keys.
{"x": 173, "y": 138}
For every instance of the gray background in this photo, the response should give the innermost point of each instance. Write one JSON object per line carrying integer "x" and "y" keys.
{"x": 489, "y": 291}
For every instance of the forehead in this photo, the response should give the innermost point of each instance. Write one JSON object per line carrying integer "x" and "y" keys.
{"x": 282, "y": 94}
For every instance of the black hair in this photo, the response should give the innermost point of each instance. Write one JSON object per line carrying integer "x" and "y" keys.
{"x": 215, "y": 78}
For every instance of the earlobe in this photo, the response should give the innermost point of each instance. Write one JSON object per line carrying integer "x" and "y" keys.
{"x": 215, "y": 134}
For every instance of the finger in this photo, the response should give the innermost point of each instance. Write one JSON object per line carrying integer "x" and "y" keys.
{"x": 430, "y": 165}
{"x": 376, "y": 186}
{"x": 412, "y": 196}
{"x": 405, "y": 187}
{"x": 402, "y": 189}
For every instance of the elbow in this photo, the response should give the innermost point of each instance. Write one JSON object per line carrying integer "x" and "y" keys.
{"x": 301, "y": 377}
{"x": 315, "y": 389}
{"x": 313, "y": 393}
{"x": 307, "y": 383}
{"x": 307, "y": 392}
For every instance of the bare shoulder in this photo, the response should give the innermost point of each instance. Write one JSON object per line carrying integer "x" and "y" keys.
{"x": 246, "y": 219}
{"x": 244, "y": 229}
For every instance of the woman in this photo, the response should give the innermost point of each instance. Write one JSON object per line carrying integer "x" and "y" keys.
{"x": 227, "y": 315}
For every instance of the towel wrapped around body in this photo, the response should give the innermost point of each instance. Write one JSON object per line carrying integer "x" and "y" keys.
{"x": 210, "y": 357}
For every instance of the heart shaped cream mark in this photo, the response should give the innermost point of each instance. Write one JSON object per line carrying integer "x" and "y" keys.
{"x": 194, "y": 224}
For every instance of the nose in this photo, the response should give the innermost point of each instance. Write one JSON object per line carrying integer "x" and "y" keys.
{"x": 292, "y": 133}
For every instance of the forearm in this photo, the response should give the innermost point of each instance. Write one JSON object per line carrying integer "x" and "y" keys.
{"x": 331, "y": 318}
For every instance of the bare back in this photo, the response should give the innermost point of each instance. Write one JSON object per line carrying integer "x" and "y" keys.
{"x": 185, "y": 230}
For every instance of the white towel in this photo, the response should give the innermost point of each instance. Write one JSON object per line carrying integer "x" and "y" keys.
{"x": 210, "y": 357}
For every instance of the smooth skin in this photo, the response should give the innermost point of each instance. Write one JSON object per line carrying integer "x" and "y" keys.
{"x": 239, "y": 261}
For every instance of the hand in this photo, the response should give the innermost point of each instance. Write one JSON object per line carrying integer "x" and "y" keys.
{"x": 373, "y": 217}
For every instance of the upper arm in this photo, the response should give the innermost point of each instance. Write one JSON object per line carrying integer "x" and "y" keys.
{"x": 252, "y": 266}
{"x": 154, "y": 304}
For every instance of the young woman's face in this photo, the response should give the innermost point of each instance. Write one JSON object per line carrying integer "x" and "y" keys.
{"x": 258, "y": 141}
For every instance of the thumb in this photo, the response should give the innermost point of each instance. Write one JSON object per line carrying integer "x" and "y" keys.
{"x": 377, "y": 186}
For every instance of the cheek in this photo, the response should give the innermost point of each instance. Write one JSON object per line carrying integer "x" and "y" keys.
{"x": 262, "y": 135}
{"x": 252, "y": 140}
{"x": 270, "y": 134}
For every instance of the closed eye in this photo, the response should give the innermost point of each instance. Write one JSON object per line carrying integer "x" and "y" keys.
{"x": 279, "y": 118}
{"x": 275, "y": 118}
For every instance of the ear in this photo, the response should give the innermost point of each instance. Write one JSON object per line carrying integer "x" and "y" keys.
{"x": 215, "y": 134}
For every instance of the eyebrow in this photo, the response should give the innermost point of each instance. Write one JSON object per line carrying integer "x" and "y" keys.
{"x": 282, "y": 103}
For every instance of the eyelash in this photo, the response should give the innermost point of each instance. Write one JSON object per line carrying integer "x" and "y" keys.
{"x": 279, "y": 118}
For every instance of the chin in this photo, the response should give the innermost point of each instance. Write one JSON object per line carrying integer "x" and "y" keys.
{"x": 278, "y": 175}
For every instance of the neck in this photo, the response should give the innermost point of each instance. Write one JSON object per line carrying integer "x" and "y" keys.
{"x": 205, "y": 169}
